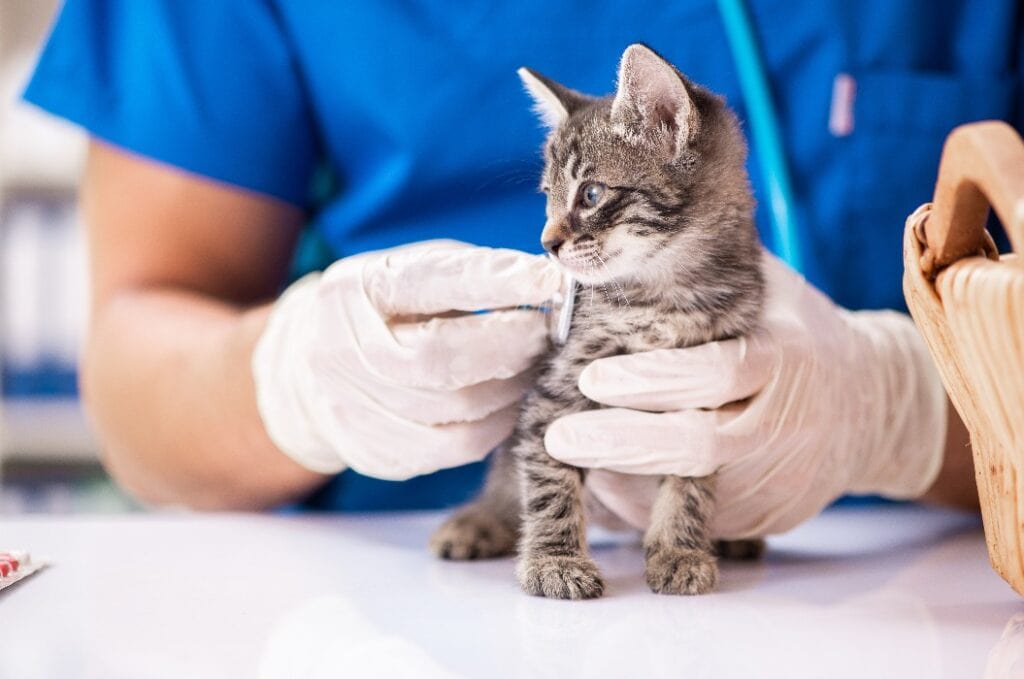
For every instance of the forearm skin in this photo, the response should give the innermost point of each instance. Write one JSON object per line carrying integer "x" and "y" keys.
{"x": 167, "y": 382}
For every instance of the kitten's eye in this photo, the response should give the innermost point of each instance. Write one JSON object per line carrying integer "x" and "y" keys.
{"x": 592, "y": 193}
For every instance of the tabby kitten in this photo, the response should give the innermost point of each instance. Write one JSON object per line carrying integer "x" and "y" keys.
{"x": 649, "y": 208}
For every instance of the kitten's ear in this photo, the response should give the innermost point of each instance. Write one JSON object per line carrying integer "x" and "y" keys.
{"x": 652, "y": 99}
{"x": 552, "y": 102}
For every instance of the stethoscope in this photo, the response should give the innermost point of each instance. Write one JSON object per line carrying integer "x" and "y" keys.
{"x": 767, "y": 141}
{"x": 765, "y": 132}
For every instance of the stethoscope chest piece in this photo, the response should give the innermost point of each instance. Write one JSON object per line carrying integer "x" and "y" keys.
{"x": 560, "y": 317}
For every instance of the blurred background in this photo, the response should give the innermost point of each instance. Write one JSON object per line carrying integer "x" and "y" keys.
{"x": 48, "y": 459}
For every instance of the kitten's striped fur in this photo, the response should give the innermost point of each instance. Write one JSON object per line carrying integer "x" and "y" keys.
{"x": 668, "y": 257}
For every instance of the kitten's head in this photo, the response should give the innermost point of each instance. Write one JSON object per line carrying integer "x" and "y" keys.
{"x": 644, "y": 182}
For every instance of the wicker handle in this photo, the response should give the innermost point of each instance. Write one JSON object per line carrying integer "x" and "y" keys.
{"x": 982, "y": 164}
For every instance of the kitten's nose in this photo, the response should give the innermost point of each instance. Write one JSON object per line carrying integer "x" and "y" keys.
{"x": 553, "y": 244}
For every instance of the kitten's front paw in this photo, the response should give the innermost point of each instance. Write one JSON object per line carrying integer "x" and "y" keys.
{"x": 673, "y": 570}
{"x": 560, "y": 577}
{"x": 472, "y": 533}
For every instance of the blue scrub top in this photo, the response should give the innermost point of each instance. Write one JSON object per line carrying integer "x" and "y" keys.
{"x": 392, "y": 122}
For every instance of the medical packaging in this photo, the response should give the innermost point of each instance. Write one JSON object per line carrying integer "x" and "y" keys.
{"x": 15, "y": 566}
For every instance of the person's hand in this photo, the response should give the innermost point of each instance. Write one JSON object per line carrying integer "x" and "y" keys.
{"x": 380, "y": 364}
{"x": 817, "y": 403}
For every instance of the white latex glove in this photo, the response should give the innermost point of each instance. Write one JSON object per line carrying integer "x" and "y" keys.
{"x": 371, "y": 366}
{"x": 839, "y": 402}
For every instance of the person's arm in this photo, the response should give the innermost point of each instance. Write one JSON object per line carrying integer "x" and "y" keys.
{"x": 955, "y": 486}
{"x": 179, "y": 266}
{"x": 379, "y": 364}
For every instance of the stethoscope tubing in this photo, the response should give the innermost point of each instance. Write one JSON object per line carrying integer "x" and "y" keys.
{"x": 766, "y": 136}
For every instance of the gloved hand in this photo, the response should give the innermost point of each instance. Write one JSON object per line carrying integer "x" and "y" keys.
{"x": 371, "y": 365}
{"x": 818, "y": 403}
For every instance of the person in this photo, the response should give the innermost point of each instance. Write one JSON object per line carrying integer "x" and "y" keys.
{"x": 234, "y": 144}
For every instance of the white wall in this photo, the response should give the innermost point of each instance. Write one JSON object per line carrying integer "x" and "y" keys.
{"x": 43, "y": 298}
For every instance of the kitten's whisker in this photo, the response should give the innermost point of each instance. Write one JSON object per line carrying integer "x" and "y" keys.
{"x": 592, "y": 271}
{"x": 590, "y": 311}
{"x": 614, "y": 282}
{"x": 591, "y": 316}
{"x": 611, "y": 279}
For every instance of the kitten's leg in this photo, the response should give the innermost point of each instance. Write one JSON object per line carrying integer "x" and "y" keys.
{"x": 553, "y": 558}
{"x": 677, "y": 547}
{"x": 487, "y": 527}
{"x": 749, "y": 549}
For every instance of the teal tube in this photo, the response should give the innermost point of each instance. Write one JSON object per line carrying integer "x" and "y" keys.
{"x": 765, "y": 130}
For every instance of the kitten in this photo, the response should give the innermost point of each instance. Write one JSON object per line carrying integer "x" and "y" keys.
{"x": 648, "y": 201}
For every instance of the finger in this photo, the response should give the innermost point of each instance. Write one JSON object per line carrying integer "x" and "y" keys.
{"x": 452, "y": 353}
{"x": 444, "y": 277}
{"x": 630, "y": 497}
{"x": 632, "y": 442}
{"x": 432, "y": 407}
{"x": 766, "y": 504}
{"x": 402, "y": 449}
{"x": 705, "y": 376}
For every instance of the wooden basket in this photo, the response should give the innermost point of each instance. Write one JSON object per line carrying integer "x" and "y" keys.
{"x": 969, "y": 304}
